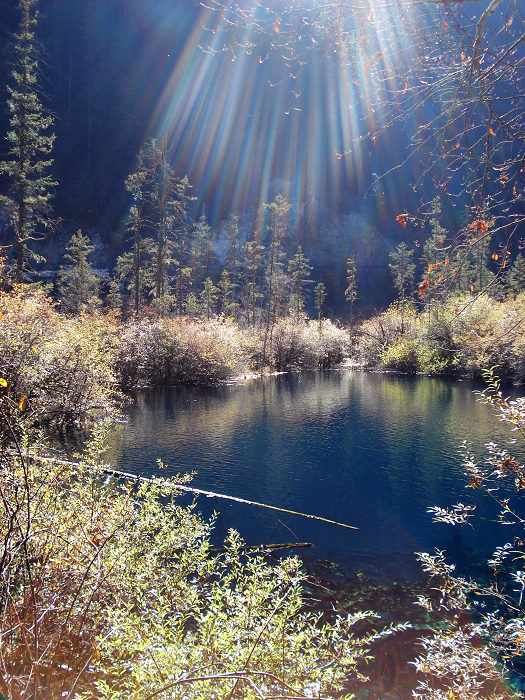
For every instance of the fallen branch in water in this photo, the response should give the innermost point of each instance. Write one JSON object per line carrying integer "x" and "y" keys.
{"x": 201, "y": 492}
{"x": 264, "y": 547}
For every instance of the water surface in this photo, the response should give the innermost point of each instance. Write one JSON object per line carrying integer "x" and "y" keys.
{"x": 370, "y": 450}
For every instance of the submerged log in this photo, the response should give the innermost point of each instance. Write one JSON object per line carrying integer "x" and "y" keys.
{"x": 198, "y": 492}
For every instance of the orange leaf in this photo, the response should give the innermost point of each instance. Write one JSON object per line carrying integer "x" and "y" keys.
{"x": 471, "y": 287}
{"x": 402, "y": 219}
{"x": 430, "y": 267}
{"x": 441, "y": 241}
{"x": 458, "y": 145}
{"x": 454, "y": 271}
{"x": 463, "y": 57}
{"x": 457, "y": 254}
{"x": 447, "y": 260}
{"x": 494, "y": 256}
{"x": 440, "y": 277}
{"x": 509, "y": 23}
{"x": 456, "y": 311}
{"x": 276, "y": 25}
{"x": 445, "y": 25}
{"x": 514, "y": 192}
{"x": 504, "y": 263}
{"x": 492, "y": 132}
{"x": 480, "y": 225}
{"x": 23, "y": 402}
{"x": 422, "y": 287}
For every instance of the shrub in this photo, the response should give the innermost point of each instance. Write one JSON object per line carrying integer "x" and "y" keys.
{"x": 110, "y": 590}
{"x": 157, "y": 352}
{"x": 486, "y": 629}
{"x": 64, "y": 367}
{"x": 298, "y": 344}
{"x": 374, "y": 335}
{"x": 402, "y": 356}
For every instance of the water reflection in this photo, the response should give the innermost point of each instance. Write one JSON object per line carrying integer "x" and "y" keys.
{"x": 370, "y": 450}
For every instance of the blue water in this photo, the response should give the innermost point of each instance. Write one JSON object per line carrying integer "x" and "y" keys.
{"x": 374, "y": 451}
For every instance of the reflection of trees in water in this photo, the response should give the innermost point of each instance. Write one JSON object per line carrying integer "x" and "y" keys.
{"x": 398, "y": 412}
{"x": 375, "y": 451}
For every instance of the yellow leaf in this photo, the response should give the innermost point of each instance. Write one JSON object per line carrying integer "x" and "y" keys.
{"x": 35, "y": 349}
{"x": 23, "y": 402}
{"x": 3, "y": 382}
{"x": 471, "y": 287}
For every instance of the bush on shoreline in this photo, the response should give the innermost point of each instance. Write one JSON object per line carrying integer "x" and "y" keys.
{"x": 71, "y": 367}
{"x": 461, "y": 338}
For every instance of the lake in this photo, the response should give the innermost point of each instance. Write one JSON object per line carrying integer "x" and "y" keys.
{"x": 370, "y": 450}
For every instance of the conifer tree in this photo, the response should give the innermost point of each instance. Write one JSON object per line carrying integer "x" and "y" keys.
{"x": 225, "y": 290}
{"x": 169, "y": 204}
{"x": 403, "y": 270}
{"x": 299, "y": 270}
{"x": 208, "y": 297}
{"x": 78, "y": 282}
{"x": 253, "y": 257}
{"x": 277, "y": 228}
{"x": 135, "y": 264}
{"x": 30, "y": 144}
{"x": 515, "y": 278}
{"x": 232, "y": 263}
{"x": 202, "y": 234}
{"x": 351, "y": 285}
{"x": 320, "y": 296}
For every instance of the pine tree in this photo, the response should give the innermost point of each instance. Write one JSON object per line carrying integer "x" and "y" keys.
{"x": 251, "y": 293}
{"x": 203, "y": 248}
{"x": 299, "y": 270}
{"x": 136, "y": 264}
{"x": 30, "y": 144}
{"x": 515, "y": 278}
{"x": 78, "y": 282}
{"x": 232, "y": 260}
{"x": 226, "y": 288}
{"x": 320, "y": 297}
{"x": 351, "y": 285}
{"x": 277, "y": 228}
{"x": 403, "y": 270}
{"x": 436, "y": 250}
{"x": 169, "y": 204}
{"x": 208, "y": 297}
